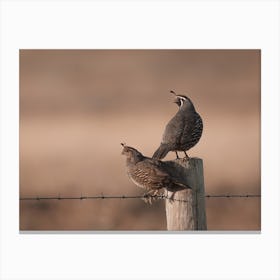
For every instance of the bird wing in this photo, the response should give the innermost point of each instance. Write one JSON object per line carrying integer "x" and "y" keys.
{"x": 157, "y": 174}
{"x": 173, "y": 130}
{"x": 152, "y": 171}
{"x": 180, "y": 128}
{"x": 191, "y": 129}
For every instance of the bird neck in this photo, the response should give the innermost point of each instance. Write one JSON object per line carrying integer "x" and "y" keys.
{"x": 187, "y": 106}
{"x": 133, "y": 159}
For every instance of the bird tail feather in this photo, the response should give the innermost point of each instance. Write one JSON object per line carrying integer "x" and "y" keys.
{"x": 182, "y": 185}
{"x": 161, "y": 152}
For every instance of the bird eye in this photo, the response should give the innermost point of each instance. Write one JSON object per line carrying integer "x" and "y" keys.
{"x": 182, "y": 100}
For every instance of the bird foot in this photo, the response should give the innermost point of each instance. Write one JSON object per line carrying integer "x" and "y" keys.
{"x": 171, "y": 198}
{"x": 186, "y": 159}
{"x": 147, "y": 199}
{"x": 151, "y": 196}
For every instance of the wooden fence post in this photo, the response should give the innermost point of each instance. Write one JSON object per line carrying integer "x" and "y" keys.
{"x": 187, "y": 211}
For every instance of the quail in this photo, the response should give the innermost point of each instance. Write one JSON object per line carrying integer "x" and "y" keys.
{"x": 150, "y": 174}
{"x": 183, "y": 131}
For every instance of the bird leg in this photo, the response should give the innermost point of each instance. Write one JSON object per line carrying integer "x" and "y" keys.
{"x": 176, "y": 155}
{"x": 187, "y": 157}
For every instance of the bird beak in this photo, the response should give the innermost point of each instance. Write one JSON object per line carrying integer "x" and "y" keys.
{"x": 173, "y": 92}
{"x": 123, "y": 144}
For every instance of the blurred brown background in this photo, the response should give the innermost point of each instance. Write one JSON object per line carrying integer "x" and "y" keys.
{"x": 77, "y": 106}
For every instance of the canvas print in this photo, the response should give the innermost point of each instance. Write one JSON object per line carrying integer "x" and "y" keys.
{"x": 140, "y": 140}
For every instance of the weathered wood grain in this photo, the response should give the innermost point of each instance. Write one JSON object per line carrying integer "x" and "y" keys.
{"x": 187, "y": 210}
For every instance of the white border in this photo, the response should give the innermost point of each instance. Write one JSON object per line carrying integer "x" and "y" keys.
{"x": 153, "y": 24}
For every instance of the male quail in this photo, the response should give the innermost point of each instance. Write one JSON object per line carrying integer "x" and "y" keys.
{"x": 150, "y": 174}
{"x": 183, "y": 131}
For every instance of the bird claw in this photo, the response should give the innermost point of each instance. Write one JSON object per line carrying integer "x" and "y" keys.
{"x": 147, "y": 198}
{"x": 186, "y": 159}
{"x": 171, "y": 198}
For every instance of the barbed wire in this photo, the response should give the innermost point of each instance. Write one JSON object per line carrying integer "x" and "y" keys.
{"x": 145, "y": 196}
{"x": 232, "y": 195}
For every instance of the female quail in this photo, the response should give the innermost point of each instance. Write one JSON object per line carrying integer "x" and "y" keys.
{"x": 183, "y": 131}
{"x": 150, "y": 174}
